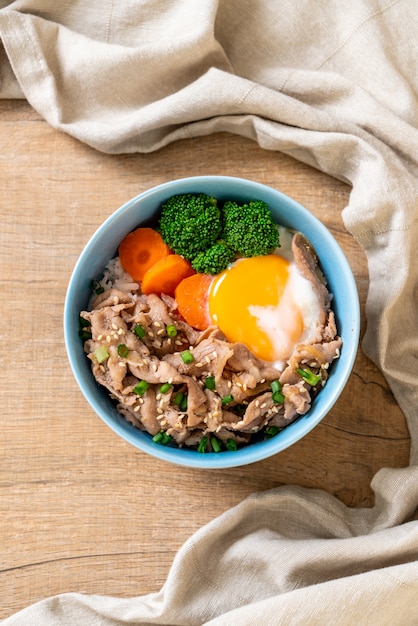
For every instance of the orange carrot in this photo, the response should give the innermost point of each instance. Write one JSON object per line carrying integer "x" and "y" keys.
{"x": 140, "y": 249}
{"x": 166, "y": 274}
{"x": 192, "y": 296}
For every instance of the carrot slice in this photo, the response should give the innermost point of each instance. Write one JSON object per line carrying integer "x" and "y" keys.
{"x": 166, "y": 274}
{"x": 140, "y": 249}
{"x": 192, "y": 297}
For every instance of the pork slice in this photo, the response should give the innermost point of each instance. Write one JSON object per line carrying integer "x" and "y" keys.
{"x": 112, "y": 297}
{"x": 107, "y": 326}
{"x": 243, "y": 360}
{"x": 153, "y": 370}
{"x": 315, "y": 355}
{"x": 197, "y": 408}
{"x": 297, "y": 400}
{"x": 307, "y": 263}
{"x": 257, "y": 413}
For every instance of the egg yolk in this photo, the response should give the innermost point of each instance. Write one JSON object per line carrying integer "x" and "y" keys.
{"x": 251, "y": 302}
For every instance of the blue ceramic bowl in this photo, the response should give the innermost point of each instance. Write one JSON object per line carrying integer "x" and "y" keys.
{"x": 103, "y": 246}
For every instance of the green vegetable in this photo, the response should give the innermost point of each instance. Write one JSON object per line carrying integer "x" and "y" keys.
{"x": 178, "y": 398}
{"x": 162, "y": 438}
{"x": 187, "y": 357}
{"x": 272, "y": 431}
{"x": 278, "y": 397}
{"x": 139, "y": 331}
{"x": 213, "y": 260}
{"x": 165, "y": 387}
{"x": 249, "y": 228}
{"x": 275, "y": 386}
{"x": 190, "y": 223}
{"x": 83, "y": 333}
{"x": 311, "y": 378}
{"x": 123, "y": 350}
{"x": 210, "y": 383}
{"x": 141, "y": 387}
{"x": 227, "y": 399}
{"x": 216, "y": 446}
{"x": 101, "y": 354}
{"x": 231, "y": 444}
{"x": 171, "y": 330}
{"x": 183, "y": 403}
{"x": 202, "y": 445}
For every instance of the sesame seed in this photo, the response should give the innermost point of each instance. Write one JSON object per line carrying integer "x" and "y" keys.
{"x": 108, "y": 338}
{"x": 257, "y": 403}
{"x": 199, "y": 364}
{"x": 100, "y": 337}
{"x": 215, "y": 413}
{"x": 121, "y": 363}
{"x": 114, "y": 326}
{"x": 102, "y": 368}
{"x": 157, "y": 324}
{"x": 136, "y": 408}
{"x": 263, "y": 406}
{"x": 244, "y": 386}
{"x": 154, "y": 367}
{"x": 170, "y": 381}
{"x": 161, "y": 331}
{"x": 238, "y": 384}
{"x": 116, "y": 300}
{"x": 207, "y": 359}
{"x": 218, "y": 428}
{"x": 121, "y": 331}
{"x": 160, "y": 411}
{"x": 150, "y": 333}
{"x": 214, "y": 354}
{"x": 169, "y": 341}
{"x": 160, "y": 417}
{"x": 263, "y": 380}
{"x": 229, "y": 384}
{"x": 163, "y": 423}
{"x": 158, "y": 396}
{"x": 178, "y": 342}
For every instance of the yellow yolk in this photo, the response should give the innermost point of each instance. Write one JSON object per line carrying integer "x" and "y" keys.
{"x": 253, "y": 302}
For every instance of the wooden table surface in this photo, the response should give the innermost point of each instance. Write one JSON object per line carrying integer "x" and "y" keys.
{"x": 80, "y": 509}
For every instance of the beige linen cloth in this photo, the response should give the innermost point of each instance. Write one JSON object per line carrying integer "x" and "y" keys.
{"x": 333, "y": 83}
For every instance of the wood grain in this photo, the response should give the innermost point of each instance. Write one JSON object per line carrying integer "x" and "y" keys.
{"x": 80, "y": 510}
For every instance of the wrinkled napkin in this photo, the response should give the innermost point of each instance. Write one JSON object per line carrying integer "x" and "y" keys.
{"x": 332, "y": 83}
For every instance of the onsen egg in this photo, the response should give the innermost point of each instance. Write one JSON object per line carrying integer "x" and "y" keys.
{"x": 265, "y": 303}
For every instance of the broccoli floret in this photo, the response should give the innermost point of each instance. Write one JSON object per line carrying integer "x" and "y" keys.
{"x": 249, "y": 228}
{"x": 190, "y": 223}
{"x": 214, "y": 260}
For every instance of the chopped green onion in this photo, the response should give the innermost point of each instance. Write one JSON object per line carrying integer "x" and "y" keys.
{"x": 216, "y": 446}
{"x": 231, "y": 444}
{"x": 165, "y": 387}
{"x": 210, "y": 383}
{"x": 123, "y": 350}
{"x": 171, "y": 330}
{"x": 183, "y": 403}
{"x": 311, "y": 378}
{"x": 278, "y": 397}
{"x": 101, "y": 354}
{"x": 162, "y": 438}
{"x": 84, "y": 334}
{"x": 83, "y": 322}
{"x": 99, "y": 290}
{"x": 187, "y": 357}
{"x": 202, "y": 445}
{"x": 139, "y": 331}
{"x": 178, "y": 398}
{"x": 271, "y": 431}
{"x": 141, "y": 387}
{"x": 276, "y": 386}
{"x": 227, "y": 399}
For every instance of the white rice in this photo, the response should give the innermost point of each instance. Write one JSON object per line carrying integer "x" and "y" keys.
{"x": 115, "y": 276}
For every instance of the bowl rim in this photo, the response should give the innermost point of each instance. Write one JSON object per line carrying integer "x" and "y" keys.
{"x": 247, "y": 454}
